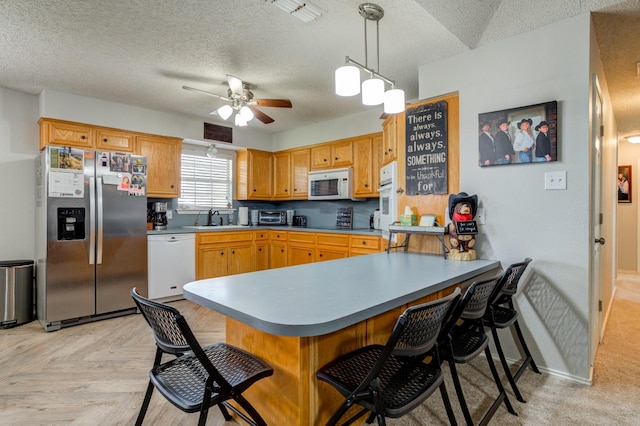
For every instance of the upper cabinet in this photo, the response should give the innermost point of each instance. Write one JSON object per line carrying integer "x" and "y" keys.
{"x": 65, "y": 133}
{"x": 291, "y": 174}
{"x": 163, "y": 164}
{"x": 390, "y": 139}
{"x": 254, "y": 173}
{"x": 366, "y": 169}
{"x": 332, "y": 155}
{"x": 163, "y": 153}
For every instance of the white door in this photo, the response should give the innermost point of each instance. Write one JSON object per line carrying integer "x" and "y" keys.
{"x": 596, "y": 214}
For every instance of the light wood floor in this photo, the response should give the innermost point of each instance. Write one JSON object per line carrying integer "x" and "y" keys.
{"x": 96, "y": 374}
{"x": 91, "y": 374}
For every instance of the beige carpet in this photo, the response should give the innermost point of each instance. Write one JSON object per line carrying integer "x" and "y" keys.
{"x": 613, "y": 399}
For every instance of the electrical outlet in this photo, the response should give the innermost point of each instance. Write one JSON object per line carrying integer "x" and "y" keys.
{"x": 169, "y": 214}
{"x": 481, "y": 216}
{"x": 555, "y": 180}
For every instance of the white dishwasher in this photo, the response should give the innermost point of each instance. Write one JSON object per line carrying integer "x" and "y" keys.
{"x": 172, "y": 264}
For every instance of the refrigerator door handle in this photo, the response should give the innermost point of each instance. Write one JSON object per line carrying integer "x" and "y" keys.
{"x": 100, "y": 212}
{"x": 92, "y": 221}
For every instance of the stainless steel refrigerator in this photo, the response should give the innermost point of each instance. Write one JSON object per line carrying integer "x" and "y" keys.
{"x": 91, "y": 240}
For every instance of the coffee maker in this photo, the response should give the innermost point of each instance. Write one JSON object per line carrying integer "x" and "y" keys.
{"x": 159, "y": 210}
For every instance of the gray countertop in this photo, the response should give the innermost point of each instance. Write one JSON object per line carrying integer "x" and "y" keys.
{"x": 363, "y": 231}
{"x": 320, "y": 298}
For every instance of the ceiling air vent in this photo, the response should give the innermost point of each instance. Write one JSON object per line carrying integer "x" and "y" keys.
{"x": 303, "y": 10}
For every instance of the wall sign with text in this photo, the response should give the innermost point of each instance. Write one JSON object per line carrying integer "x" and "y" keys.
{"x": 426, "y": 142}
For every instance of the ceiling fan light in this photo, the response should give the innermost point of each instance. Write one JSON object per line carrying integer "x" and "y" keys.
{"x": 372, "y": 91}
{"x": 347, "y": 81}
{"x": 225, "y": 111}
{"x": 239, "y": 121}
{"x": 394, "y": 101}
{"x": 246, "y": 113}
{"x": 633, "y": 138}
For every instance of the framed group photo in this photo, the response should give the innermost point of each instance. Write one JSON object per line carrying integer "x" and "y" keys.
{"x": 522, "y": 135}
{"x": 624, "y": 184}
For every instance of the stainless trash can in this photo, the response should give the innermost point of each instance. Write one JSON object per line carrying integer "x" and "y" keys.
{"x": 16, "y": 292}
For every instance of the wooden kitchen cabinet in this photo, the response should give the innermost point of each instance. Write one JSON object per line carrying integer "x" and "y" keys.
{"x": 163, "y": 164}
{"x": 114, "y": 140}
{"x": 300, "y": 160}
{"x": 277, "y": 249}
{"x": 261, "y": 251}
{"x": 332, "y": 155}
{"x": 331, "y": 246}
{"x": 301, "y": 248}
{"x": 364, "y": 244}
{"x": 56, "y": 132}
{"x": 254, "y": 173}
{"x": 223, "y": 253}
{"x": 366, "y": 168}
{"x": 390, "y": 138}
{"x": 67, "y": 133}
{"x": 282, "y": 175}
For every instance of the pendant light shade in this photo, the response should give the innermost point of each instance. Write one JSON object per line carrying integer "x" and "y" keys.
{"x": 225, "y": 111}
{"x": 239, "y": 121}
{"x": 347, "y": 81}
{"x": 394, "y": 101}
{"x": 372, "y": 91}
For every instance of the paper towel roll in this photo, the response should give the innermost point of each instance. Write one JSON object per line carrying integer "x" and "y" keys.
{"x": 243, "y": 215}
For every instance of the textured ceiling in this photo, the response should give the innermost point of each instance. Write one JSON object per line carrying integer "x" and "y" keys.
{"x": 142, "y": 52}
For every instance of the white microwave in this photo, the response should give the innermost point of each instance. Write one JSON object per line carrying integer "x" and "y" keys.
{"x": 335, "y": 184}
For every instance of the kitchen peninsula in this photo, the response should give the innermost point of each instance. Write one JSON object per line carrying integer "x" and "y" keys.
{"x": 301, "y": 317}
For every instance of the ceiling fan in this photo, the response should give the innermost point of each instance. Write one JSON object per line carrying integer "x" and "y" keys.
{"x": 241, "y": 101}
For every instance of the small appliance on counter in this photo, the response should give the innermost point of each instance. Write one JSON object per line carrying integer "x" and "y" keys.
{"x": 272, "y": 217}
{"x": 374, "y": 220}
{"x": 159, "y": 215}
{"x": 254, "y": 217}
{"x": 290, "y": 215}
{"x": 300, "y": 221}
{"x": 243, "y": 216}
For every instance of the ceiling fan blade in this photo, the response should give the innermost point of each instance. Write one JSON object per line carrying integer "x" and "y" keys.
{"x": 274, "y": 103}
{"x": 384, "y": 115}
{"x": 224, "y": 98}
{"x": 261, "y": 115}
{"x": 235, "y": 84}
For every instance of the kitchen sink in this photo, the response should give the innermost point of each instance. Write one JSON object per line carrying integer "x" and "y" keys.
{"x": 205, "y": 227}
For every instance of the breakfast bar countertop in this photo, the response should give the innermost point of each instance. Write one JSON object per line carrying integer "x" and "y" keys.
{"x": 320, "y": 298}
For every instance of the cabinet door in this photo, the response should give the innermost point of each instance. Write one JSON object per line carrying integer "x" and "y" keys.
{"x": 300, "y": 174}
{"x": 321, "y": 157}
{"x": 278, "y": 255}
{"x": 323, "y": 254}
{"x": 376, "y": 162}
{"x": 389, "y": 139}
{"x": 163, "y": 165}
{"x": 66, "y": 134}
{"x": 363, "y": 168}
{"x": 341, "y": 154}
{"x": 300, "y": 255}
{"x": 212, "y": 262}
{"x": 260, "y": 172}
{"x": 240, "y": 260}
{"x": 113, "y": 140}
{"x": 261, "y": 257}
{"x": 281, "y": 177}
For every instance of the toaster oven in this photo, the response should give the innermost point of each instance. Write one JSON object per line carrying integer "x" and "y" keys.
{"x": 272, "y": 217}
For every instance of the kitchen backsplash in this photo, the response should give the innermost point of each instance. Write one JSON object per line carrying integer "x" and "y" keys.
{"x": 320, "y": 214}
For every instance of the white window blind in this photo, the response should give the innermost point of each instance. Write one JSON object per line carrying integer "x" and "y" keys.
{"x": 206, "y": 182}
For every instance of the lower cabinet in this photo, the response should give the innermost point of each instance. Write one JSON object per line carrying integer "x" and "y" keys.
{"x": 224, "y": 253}
{"x": 261, "y": 250}
{"x": 362, "y": 244}
{"x": 331, "y": 247}
{"x": 301, "y": 248}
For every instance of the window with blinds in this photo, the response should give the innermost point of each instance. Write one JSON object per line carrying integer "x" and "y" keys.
{"x": 206, "y": 182}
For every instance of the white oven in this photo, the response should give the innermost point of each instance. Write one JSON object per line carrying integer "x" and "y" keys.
{"x": 388, "y": 197}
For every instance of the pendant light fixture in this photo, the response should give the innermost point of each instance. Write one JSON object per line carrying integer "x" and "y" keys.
{"x": 212, "y": 151}
{"x": 373, "y": 89}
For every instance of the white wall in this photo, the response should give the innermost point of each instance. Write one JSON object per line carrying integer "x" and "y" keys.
{"x": 522, "y": 219}
{"x": 18, "y": 150}
{"x": 82, "y": 109}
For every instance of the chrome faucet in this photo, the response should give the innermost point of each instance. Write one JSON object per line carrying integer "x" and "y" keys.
{"x": 210, "y": 217}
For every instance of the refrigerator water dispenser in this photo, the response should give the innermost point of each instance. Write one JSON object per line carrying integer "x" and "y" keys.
{"x": 70, "y": 223}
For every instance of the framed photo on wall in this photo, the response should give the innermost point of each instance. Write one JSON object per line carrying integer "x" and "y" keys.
{"x": 624, "y": 184}
{"x": 522, "y": 135}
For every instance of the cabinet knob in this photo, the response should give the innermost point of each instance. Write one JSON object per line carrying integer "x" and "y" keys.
{"x": 364, "y": 243}
{"x": 254, "y": 190}
{"x": 295, "y": 189}
{"x": 260, "y": 249}
{"x": 325, "y": 160}
{"x": 286, "y": 190}
{"x": 221, "y": 253}
{"x": 308, "y": 254}
{"x": 320, "y": 254}
{"x": 336, "y": 158}
{"x": 366, "y": 185}
{"x": 83, "y": 137}
{"x": 233, "y": 252}
{"x": 105, "y": 140}
{"x": 171, "y": 186}
{"x": 281, "y": 250}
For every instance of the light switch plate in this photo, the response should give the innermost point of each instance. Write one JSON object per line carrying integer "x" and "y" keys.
{"x": 169, "y": 214}
{"x": 481, "y": 216}
{"x": 555, "y": 180}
